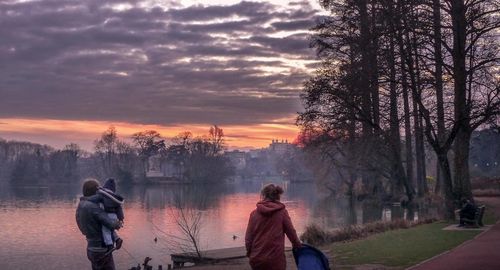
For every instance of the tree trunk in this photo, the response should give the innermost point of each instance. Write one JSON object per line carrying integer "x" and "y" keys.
{"x": 398, "y": 174}
{"x": 370, "y": 181}
{"x": 419, "y": 150}
{"x": 420, "y": 156}
{"x": 419, "y": 134}
{"x": 373, "y": 70}
{"x": 406, "y": 104}
{"x": 438, "y": 84}
{"x": 461, "y": 111}
{"x": 410, "y": 57}
{"x": 408, "y": 133}
{"x": 439, "y": 179}
{"x": 462, "y": 186}
{"x": 366, "y": 68}
{"x": 447, "y": 184}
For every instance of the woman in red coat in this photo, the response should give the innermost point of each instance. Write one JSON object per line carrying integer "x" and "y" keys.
{"x": 265, "y": 235}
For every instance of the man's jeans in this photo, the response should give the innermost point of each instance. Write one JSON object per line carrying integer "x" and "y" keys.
{"x": 108, "y": 235}
{"x": 101, "y": 260}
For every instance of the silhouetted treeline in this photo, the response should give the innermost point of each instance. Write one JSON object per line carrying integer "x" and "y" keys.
{"x": 201, "y": 159}
{"x": 397, "y": 76}
{"x": 185, "y": 158}
{"x": 193, "y": 159}
{"x": 31, "y": 163}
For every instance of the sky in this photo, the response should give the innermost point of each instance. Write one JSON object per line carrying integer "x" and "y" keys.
{"x": 70, "y": 69}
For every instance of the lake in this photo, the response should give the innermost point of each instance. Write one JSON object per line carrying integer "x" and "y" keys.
{"x": 38, "y": 228}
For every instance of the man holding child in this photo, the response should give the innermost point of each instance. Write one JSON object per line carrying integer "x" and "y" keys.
{"x": 91, "y": 219}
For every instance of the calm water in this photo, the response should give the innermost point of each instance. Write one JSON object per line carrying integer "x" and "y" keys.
{"x": 38, "y": 229}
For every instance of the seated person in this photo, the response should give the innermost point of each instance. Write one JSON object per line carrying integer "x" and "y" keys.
{"x": 468, "y": 211}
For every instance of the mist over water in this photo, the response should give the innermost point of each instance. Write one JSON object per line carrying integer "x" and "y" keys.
{"x": 39, "y": 229}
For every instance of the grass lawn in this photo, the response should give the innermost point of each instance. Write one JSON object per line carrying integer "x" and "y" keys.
{"x": 491, "y": 215}
{"x": 399, "y": 248}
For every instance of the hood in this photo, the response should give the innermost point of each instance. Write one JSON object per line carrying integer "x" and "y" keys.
{"x": 268, "y": 208}
{"x": 111, "y": 195}
{"x": 110, "y": 184}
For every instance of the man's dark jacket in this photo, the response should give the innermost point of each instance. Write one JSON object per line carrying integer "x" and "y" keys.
{"x": 90, "y": 217}
{"x": 111, "y": 201}
{"x": 468, "y": 211}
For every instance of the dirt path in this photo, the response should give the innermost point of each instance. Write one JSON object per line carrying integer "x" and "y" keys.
{"x": 482, "y": 252}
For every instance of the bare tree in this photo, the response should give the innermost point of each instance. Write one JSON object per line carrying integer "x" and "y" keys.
{"x": 105, "y": 148}
{"x": 216, "y": 139}
{"x": 189, "y": 221}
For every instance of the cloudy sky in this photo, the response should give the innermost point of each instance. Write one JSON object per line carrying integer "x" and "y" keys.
{"x": 69, "y": 69}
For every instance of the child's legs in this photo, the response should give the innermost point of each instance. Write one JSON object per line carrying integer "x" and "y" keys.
{"x": 108, "y": 235}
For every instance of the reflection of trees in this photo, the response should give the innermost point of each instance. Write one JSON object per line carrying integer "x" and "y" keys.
{"x": 200, "y": 197}
{"x": 337, "y": 211}
{"x": 61, "y": 193}
{"x": 333, "y": 211}
{"x": 302, "y": 191}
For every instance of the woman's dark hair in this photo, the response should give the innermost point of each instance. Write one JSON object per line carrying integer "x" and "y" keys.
{"x": 90, "y": 187}
{"x": 271, "y": 192}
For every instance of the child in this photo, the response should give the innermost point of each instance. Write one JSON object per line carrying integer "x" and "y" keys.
{"x": 112, "y": 204}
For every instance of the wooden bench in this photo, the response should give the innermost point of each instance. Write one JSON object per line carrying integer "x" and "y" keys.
{"x": 478, "y": 217}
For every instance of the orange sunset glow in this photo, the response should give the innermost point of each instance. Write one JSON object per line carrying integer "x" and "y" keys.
{"x": 61, "y": 132}
{"x": 170, "y": 76}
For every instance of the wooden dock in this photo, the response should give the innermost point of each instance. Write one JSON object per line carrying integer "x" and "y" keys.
{"x": 210, "y": 256}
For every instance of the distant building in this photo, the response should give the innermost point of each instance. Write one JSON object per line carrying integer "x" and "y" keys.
{"x": 255, "y": 153}
{"x": 159, "y": 167}
{"x": 280, "y": 147}
{"x": 280, "y": 159}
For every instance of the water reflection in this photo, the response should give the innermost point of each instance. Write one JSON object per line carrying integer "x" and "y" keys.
{"x": 38, "y": 223}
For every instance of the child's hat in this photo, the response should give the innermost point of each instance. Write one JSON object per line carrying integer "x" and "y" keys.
{"x": 110, "y": 184}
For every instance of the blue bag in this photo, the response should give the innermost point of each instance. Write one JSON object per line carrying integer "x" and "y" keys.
{"x": 310, "y": 258}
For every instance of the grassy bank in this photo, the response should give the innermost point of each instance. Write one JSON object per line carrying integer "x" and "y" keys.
{"x": 399, "y": 248}
{"x": 315, "y": 235}
{"x": 492, "y": 212}
{"x": 384, "y": 245}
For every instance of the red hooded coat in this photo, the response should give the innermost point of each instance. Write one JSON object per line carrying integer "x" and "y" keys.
{"x": 265, "y": 236}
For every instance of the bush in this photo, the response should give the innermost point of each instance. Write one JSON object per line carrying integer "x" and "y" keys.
{"x": 315, "y": 235}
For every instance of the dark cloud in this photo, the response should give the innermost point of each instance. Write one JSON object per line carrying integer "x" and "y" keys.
{"x": 256, "y": 10}
{"x": 200, "y": 64}
{"x": 294, "y": 25}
